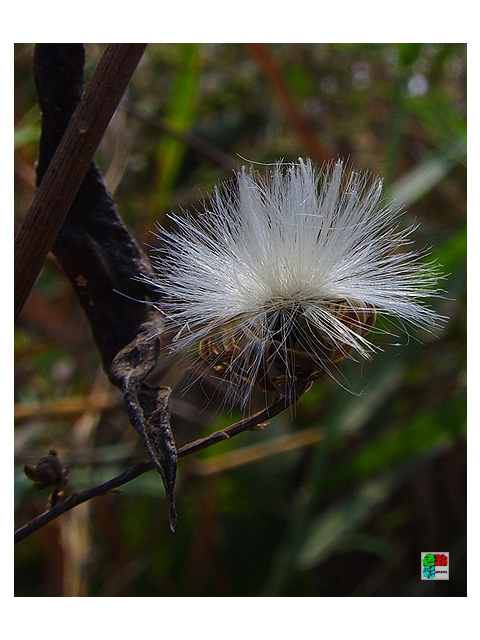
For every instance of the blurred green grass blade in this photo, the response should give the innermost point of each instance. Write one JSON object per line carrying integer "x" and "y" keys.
{"x": 329, "y": 532}
{"x": 443, "y": 122}
{"x": 180, "y": 116}
{"x": 27, "y": 130}
{"x": 408, "y": 52}
{"x": 26, "y": 134}
{"x": 394, "y": 131}
{"x": 422, "y": 178}
{"x": 372, "y": 544}
{"x": 428, "y": 430}
{"x": 453, "y": 251}
{"x": 381, "y": 378}
{"x": 300, "y": 80}
{"x": 347, "y": 416}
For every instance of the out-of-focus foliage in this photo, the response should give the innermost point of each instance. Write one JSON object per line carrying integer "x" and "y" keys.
{"x": 371, "y": 474}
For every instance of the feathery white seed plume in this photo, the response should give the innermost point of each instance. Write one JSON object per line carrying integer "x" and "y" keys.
{"x": 282, "y": 277}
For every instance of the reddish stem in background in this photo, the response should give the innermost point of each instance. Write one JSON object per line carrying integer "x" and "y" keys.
{"x": 270, "y": 67}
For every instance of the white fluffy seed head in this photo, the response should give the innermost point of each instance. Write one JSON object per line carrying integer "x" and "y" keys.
{"x": 283, "y": 276}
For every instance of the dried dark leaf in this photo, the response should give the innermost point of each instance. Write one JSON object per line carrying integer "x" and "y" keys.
{"x": 102, "y": 261}
{"x": 148, "y": 408}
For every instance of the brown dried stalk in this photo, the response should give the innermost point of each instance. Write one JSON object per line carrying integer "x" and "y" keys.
{"x": 78, "y": 497}
{"x": 70, "y": 163}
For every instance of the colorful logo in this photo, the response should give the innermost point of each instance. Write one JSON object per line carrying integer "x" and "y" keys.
{"x": 435, "y": 566}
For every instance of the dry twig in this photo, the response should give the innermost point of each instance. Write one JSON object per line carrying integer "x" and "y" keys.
{"x": 70, "y": 163}
{"x": 78, "y": 497}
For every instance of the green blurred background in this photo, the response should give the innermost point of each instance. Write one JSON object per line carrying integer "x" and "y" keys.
{"x": 337, "y": 498}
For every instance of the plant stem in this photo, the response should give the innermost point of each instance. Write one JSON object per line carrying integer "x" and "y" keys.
{"x": 70, "y": 163}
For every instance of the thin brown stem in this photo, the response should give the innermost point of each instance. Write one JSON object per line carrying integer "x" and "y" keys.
{"x": 273, "y": 71}
{"x": 205, "y": 149}
{"x": 72, "y": 158}
{"x": 78, "y": 497}
{"x": 74, "y": 405}
{"x": 256, "y": 452}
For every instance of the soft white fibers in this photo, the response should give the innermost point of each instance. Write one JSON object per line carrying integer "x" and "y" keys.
{"x": 288, "y": 269}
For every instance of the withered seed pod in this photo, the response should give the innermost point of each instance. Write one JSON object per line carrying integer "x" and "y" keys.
{"x": 288, "y": 362}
